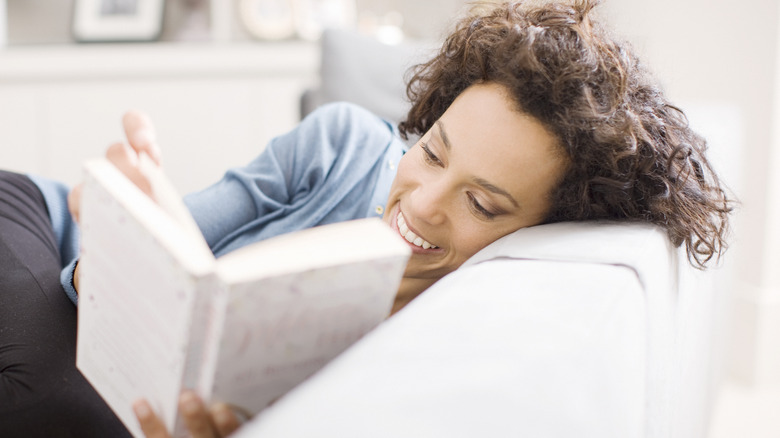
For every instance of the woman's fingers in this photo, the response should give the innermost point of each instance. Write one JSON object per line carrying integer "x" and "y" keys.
{"x": 141, "y": 135}
{"x": 125, "y": 159}
{"x": 200, "y": 421}
{"x": 74, "y": 202}
{"x": 152, "y": 426}
{"x": 224, "y": 419}
{"x": 196, "y": 417}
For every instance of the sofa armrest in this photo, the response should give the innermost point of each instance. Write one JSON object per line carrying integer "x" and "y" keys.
{"x": 501, "y": 348}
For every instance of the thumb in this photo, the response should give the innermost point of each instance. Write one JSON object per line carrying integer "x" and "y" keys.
{"x": 74, "y": 202}
{"x": 141, "y": 135}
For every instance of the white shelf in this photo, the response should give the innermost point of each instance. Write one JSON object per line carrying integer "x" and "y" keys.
{"x": 158, "y": 60}
{"x": 216, "y": 105}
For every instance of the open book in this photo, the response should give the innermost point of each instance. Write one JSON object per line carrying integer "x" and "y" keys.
{"x": 158, "y": 313}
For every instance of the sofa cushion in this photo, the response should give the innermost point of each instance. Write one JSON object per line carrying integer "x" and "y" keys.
{"x": 359, "y": 69}
{"x": 680, "y": 309}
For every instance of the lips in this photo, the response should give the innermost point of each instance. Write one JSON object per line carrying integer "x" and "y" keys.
{"x": 409, "y": 235}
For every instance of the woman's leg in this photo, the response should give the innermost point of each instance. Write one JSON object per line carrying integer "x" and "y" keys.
{"x": 41, "y": 391}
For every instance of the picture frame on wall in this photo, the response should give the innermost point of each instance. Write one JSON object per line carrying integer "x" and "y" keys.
{"x": 314, "y": 16}
{"x": 117, "y": 20}
{"x": 268, "y": 19}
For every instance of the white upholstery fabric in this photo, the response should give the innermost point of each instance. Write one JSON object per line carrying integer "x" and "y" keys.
{"x": 554, "y": 331}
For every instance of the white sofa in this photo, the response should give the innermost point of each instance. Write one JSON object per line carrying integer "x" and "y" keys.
{"x": 561, "y": 330}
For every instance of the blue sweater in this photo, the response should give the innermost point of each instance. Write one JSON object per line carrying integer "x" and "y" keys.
{"x": 337, "y": 165}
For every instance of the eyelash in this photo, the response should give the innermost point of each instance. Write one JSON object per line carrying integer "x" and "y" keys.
{"x": 479, "y": 209}
{"x": 432, "y": 159}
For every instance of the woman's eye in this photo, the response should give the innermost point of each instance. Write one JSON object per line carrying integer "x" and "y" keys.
{"x": 430, "y": 157}
{"x": 479, "y": 209}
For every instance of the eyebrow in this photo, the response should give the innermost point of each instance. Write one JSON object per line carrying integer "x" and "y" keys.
{"x": 479, "y": 181}
{"x": 443, "y": 133}
{"x": 494, "y": 189}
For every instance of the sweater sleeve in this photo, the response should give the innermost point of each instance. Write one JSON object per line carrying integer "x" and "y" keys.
{"x": 293, "y": 178}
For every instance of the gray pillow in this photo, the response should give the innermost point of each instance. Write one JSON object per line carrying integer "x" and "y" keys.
{"x": 359, "y": 69}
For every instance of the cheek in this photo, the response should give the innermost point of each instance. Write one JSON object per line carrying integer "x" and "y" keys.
{"x": 404, "y": 176}
{"x": 469, "y": 237}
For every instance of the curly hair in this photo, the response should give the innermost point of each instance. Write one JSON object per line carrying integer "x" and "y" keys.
{"x": 632, "y": 155}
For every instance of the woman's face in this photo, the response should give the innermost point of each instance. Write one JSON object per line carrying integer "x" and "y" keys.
{"x": 483, "y": 171}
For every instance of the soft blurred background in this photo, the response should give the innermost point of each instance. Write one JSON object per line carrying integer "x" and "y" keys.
{"x": 222, "y": 77}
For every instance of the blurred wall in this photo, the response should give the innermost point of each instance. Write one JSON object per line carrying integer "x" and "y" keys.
{"x": 720, "y": 57}
{"x": 429, "y": 19}
{"x": 48, "y": 21}
{"x": 39, "y": 21}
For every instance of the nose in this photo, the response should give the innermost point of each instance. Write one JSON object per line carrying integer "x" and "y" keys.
{"x": 429, "y": 202}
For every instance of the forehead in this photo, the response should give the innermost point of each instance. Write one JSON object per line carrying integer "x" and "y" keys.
{"x": 486, "y": 111}
{"x": 499, "y": 143}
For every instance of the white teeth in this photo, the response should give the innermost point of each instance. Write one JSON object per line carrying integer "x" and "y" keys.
{"x": 407, "y": 234}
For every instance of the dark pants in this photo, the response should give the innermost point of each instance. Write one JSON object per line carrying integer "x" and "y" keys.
{"x": 42, "y": 394}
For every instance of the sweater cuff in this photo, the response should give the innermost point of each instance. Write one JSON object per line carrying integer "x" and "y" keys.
{"x": 66, "y": 278}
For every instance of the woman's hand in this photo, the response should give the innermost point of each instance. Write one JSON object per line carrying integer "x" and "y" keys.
{"x": 141, "y": 137}
{"x": 217, "y": 422}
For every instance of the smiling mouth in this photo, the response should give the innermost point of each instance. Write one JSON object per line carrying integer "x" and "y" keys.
{"x": 410, "y": 237}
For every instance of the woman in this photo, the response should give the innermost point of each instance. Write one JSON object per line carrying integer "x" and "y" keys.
{"x": 527, "y": 115}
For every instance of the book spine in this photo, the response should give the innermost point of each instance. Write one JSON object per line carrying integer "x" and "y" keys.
{"x": 216, "y": 310}
{"x": 202, "y": 322}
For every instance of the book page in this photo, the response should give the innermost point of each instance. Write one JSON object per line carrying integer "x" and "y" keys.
{"x": 327, "y": 245}
{"x": 280, "y": 329}
{"x": 139, "y": 275}
{"x": 166, "y": 195}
